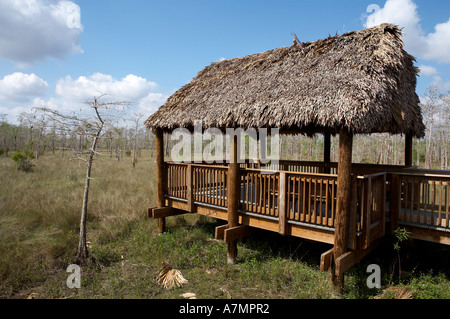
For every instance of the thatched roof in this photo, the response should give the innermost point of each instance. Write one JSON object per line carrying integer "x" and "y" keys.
{"x": 362, "y": 80}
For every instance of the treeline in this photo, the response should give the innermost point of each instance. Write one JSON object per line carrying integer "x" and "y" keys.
{"x": 39, "y": 135}
{"x": 432, "y": 151}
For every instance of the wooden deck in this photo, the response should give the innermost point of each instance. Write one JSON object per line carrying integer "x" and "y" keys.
{"x": 299, "y": 199}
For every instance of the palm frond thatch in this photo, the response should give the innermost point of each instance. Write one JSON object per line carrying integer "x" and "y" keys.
{"x": 362, "y": 80}
{"x": 169, "y": 278}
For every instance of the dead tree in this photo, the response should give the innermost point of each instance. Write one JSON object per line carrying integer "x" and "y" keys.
{"x": 92, "y": 124}
{"x": 430, "y": 108}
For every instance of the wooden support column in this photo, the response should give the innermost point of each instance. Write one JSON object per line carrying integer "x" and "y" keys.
{"x": 343, "y": 201}
{"x": 160, "y": 178}
{"x": 394, "y": 202}
{"x": 282, "y": 210}
{"x": 190, "y": 187}
{"x": 326, "y": 151}
{"x": 408, "y": 149}
{"x": 233, "y": 190}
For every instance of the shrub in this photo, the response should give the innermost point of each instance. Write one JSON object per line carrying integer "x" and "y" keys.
{"x": 28, "y": 152}
{"x": 23, "y": 163}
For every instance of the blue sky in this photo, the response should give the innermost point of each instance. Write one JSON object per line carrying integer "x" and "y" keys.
{"x": 59, "y": 53}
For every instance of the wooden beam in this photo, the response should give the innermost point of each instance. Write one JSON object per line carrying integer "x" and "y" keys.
{"x": 408, "y": 149}
{"x": 394, "y": 202}
{"x": 160, "y": 178}
{"x": 161, "y": 212}
{"x": 150, "y": 212}
{"x": 343, "y": 199}
{"x": 159, "y": 167}
{"x": 351, "y": 258}
{"x": 282, "y": 203}
{"x": 351, "y": 230}
{"x": 325, "y": 259}
{"x": 190, "y": 187}
{"x": 233, "y": 190}
{"x": 220, "y": 232}
{"x": 431, "y": 235}
{"x": 231, "y": 234}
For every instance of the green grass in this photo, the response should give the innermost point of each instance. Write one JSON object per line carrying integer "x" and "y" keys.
{"x": 39, "y": 223}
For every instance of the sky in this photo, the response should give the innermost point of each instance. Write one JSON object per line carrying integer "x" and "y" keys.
{"x": 60, "y": 53}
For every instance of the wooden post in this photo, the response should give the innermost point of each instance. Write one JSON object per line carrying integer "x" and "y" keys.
{"x": 282, "y": 203}
{"x": 327, "y": 151}
{"x": 343, "y": 200}
{"x": 160, "y": 178}
{"x": 394, "y": 202}
{"x": 233, "y": 190}
{"x": 352, "y": 240}
{"x": 190, "y": 187}
{"x": 408, "y": 149}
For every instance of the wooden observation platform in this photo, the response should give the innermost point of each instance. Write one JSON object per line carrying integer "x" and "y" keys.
{"x": 361, "y": 82}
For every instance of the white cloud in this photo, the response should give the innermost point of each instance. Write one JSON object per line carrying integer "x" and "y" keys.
{"x": 428, "y": 70}
{"x": 21, "y": 87}
{"x": 131, "y": 88}
{"x": 433, "y": 46}
{"x": 31, "y": 30}
{"x": 149, "y": 104}
{"x": 438, "y": 43}
{"x": 70, "y": 94}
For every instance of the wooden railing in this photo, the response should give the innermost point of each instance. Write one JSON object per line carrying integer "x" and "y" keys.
{"x": 421, "y": 200}
{"x": 260, "y": 191}
{"x": 287, "y": 197}
{"x": 209, "y": 184}
{"x": 311, "y": 198}
{"x": 316, "y": 167}
{"x": 300, "y": 166}
{"x": 322, "y": 167}
{"x": 176, "y": 180}
{"x": 370, "y": 207}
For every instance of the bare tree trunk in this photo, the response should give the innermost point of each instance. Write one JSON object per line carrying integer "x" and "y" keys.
{"x": 136, "y": 120}
{"x": 82, "y": 253}
{"x": 428, "y": 147}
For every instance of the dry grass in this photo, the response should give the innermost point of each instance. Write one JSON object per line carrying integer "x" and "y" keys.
{"x": 40, "y": 212}
{"x": 39, "y": 220}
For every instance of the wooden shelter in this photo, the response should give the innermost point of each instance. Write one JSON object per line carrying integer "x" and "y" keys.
{"x": 361, "y": 82}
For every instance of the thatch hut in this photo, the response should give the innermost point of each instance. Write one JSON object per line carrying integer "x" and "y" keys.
{"x": 361, "y": 82}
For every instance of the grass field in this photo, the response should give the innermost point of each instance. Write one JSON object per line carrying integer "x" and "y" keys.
{"x": 39, "y": 223}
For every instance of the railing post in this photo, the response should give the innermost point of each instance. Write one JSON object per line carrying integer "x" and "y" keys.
{"x": 282, "y": 209}
{"x": 233, "y": 191}
{"x": 382, "y": 200}
{"x": 367, "y": 211}
{"x": 160, "y": 176}
{"x": 190, "y": 187}
{"x": 343, "y": 200}
{"x": 394, "y": 202}
{"x": 352, "y": 218}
